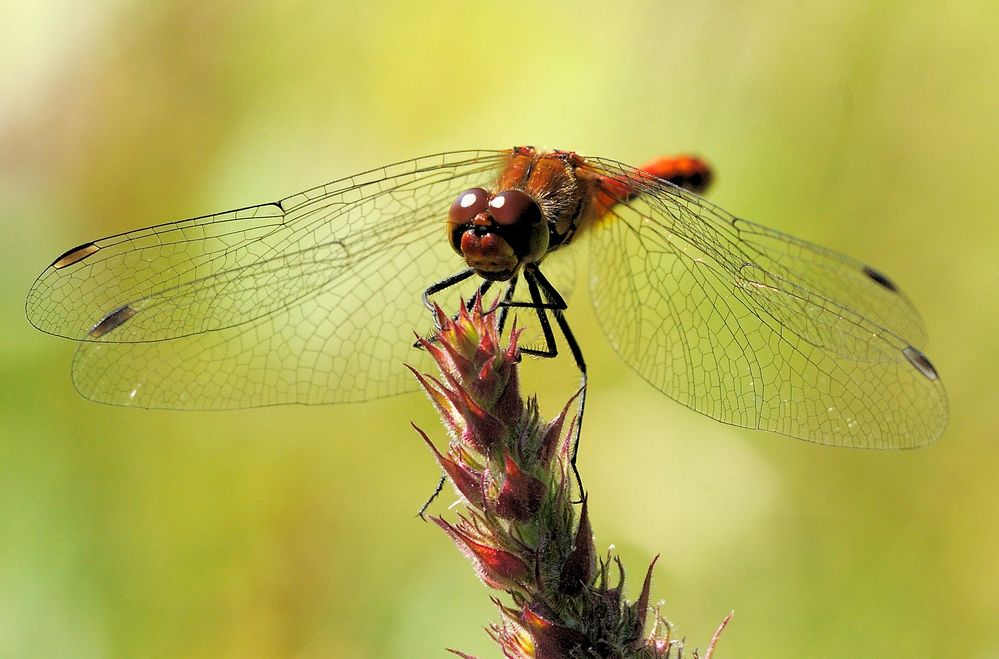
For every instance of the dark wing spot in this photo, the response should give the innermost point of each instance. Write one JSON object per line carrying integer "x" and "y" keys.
{"x": 880, "y": 278}
{"x": 919, "y": 360}
{"x": 112, "y": 321}
{"x": 74, "y": 255}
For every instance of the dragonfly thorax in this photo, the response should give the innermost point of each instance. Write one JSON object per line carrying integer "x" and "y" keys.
{"x": 497, "y": 233}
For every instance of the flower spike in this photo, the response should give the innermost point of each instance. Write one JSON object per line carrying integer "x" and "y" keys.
{"x": 520, "y": 529}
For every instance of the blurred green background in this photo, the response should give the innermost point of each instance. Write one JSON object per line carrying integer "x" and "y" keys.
{"x": 872, "y": 127}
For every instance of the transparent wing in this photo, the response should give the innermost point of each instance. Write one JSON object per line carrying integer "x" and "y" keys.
{"x": 757, "y": 328}
{"x": 313, "y": 299}
{"x": 560, "y": 269}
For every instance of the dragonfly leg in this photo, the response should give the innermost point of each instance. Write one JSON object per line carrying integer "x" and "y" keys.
{"x": 506, "y": 303}
{"x": 446, "y": 283}
{"x": 556, "y": 305}
{"x": 479, "y": 293}
{"x": 443, "y": 284}
{"x": 436, "y": 493}
{"x": 550, "y": 350}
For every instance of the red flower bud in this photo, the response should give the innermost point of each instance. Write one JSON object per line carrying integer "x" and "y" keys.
{"x": 481, "y": 430}
{"x": 437, "y": 393}
{"x": 514, "y": 639}
{"x": 509, "y": 403}
{"x": 640, "y": 609}
{"x": 467, "y": 481}
{"x": 577, "y": 571}
{"x": 520, "y": 495}
{"x": 553, "y": 640}
{"x": 496, "y": 567}
{"x": 553, "y": 431}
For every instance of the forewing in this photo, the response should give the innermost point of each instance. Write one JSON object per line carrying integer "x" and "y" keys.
{"x": 313, "y": 299}
{"x": 757, "y": 328}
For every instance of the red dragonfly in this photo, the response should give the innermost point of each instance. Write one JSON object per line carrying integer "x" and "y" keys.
{"x": 314, "y": 298}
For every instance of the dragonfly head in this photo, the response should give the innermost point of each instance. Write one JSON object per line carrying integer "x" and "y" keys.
{"x": 497, "y": 233}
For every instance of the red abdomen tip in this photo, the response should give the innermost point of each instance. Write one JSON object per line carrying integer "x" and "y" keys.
{"x": 688, "y": 172}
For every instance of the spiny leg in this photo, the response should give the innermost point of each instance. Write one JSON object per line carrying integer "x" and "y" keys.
{"x": 506, "y": 303}
{"x": 479, "y": 294}
{"x": 443, "y": 284}
{"x": 434, "y": 495}
{"x": 538, "y": 285}
{"x": 446, "y": 283}
{"x": 551, "y": 348}
{"x": 556, "y": 304}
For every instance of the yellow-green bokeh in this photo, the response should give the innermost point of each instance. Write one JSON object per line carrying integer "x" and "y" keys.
{"x": 872, "y": 127}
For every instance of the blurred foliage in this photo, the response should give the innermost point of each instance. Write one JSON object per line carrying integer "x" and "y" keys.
{"x": 872, "y": 127}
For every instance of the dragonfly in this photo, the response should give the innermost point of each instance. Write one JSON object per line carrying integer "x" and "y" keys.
{"x": 313, "y": 299}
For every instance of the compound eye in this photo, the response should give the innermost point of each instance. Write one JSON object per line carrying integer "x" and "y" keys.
{"x": 469, "y": 203}
{"x": 515, "y": 207}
